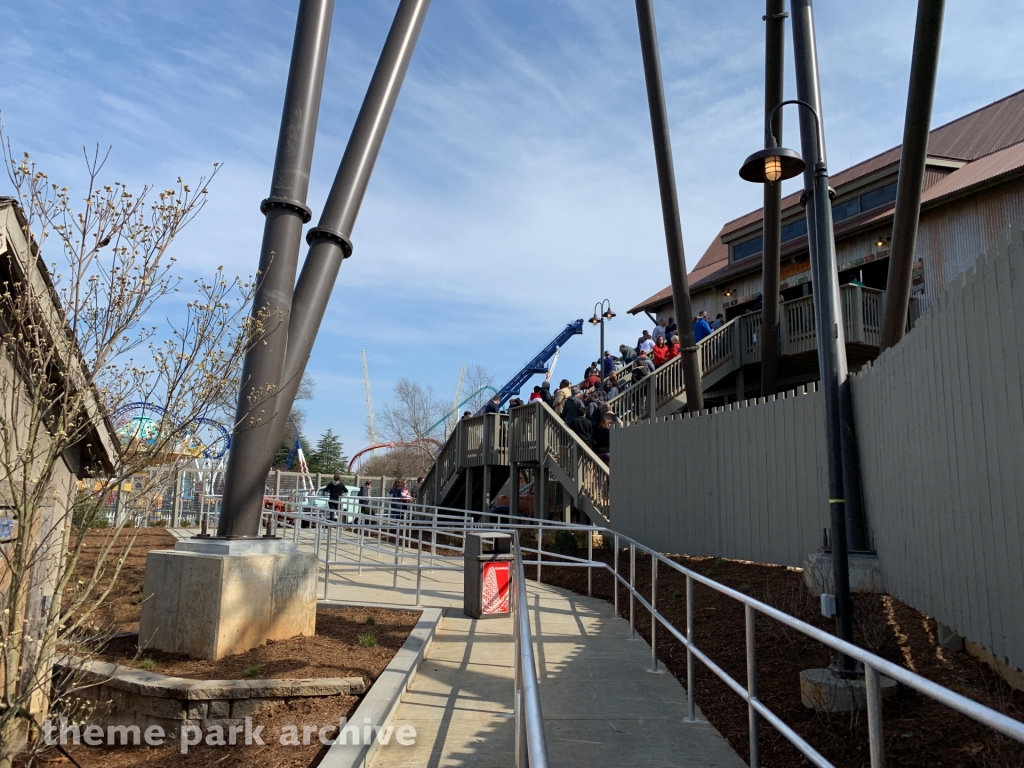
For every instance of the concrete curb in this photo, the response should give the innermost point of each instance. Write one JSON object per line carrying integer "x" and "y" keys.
{"x": 379, "y": 705}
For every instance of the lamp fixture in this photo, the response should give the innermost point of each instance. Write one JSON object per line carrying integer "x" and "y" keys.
{"x": 881, "y": 242}
{"x": 772, "y": 164}
{"x": 608, "y": 314}
{"x": 594, "y": 320}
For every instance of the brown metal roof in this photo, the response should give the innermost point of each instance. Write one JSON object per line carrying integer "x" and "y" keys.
{"x": 994, "y": 132}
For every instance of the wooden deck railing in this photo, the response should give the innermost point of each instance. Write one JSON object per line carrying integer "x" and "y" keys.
{"x": 738, "y": 342}
{"x": 533, "y": 434}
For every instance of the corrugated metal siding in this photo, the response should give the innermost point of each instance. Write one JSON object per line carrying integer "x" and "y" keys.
{"x": 951, "y": 238}
{"x": 940, "y": 419}
{"x": 748, "y": 481}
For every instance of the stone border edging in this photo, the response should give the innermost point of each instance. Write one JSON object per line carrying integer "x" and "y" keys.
{"x": 381, "y": 703}
{"x": 160, "y": 686}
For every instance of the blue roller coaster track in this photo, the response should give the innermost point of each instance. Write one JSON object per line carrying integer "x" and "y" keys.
{"x": 539, "y": 364}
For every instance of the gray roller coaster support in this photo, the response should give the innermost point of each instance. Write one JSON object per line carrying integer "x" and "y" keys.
{"x": 329, "y": 241}
{"x": 286, "y": 213}
{"x": 669, "y": 205}
{"x": 924, "y": 66}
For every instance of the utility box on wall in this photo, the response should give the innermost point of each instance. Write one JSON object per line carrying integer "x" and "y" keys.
{"x": 487, "y": 576}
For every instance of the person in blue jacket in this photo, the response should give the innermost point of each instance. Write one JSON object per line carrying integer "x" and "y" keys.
{"x": 701, "y": 328}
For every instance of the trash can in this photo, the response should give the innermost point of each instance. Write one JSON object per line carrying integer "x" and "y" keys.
{"x": 487, "y": 578}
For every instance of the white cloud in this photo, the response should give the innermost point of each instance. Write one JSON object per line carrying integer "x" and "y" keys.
{"x": 516, "y": 185}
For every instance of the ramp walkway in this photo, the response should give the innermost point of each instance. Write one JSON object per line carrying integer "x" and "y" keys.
{"x": 601, "y": 706}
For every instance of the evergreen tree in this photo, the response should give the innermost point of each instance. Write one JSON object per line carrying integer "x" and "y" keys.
{"x": 328, "y": 457}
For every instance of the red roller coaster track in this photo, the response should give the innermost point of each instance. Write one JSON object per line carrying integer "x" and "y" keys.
{"x": 352, "y": 462}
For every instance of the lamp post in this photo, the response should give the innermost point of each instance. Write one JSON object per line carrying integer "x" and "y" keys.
{"x": 602, "y": 312}
{"x": 773, "y": 165}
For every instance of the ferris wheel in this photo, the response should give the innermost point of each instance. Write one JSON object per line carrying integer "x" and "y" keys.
{"x": 143, "y": 422}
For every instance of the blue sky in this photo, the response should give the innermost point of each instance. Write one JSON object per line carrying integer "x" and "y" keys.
{"x": 516, "y": 186}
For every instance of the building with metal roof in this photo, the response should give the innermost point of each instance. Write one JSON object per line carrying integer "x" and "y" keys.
{"x": 973, "y": 191}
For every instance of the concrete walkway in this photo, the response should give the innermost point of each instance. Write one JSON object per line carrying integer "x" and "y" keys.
{"x": 601, "y": 706}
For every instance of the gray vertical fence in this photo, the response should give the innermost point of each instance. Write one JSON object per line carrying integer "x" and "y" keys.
{"x": 940, "y": 418}
{"x": 745, "y": 481}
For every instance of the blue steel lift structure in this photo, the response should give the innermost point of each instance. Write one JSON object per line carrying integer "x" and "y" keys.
{"x": 539, "y": 364}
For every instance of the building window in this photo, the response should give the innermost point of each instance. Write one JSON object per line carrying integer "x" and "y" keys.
{"x": 747, "y": 249}
{"x": 878, "y": 197}
{"x": 794, "y": 230}
{"x": 840, "y": 212}
{"x": 846, "y": 209}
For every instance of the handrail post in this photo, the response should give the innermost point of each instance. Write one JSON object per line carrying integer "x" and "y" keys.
{"x": 615, "y": 575}
{"x": 433, "y": 539}
{"x": 632, "y": 588}
{"x": 419, "y": 560}
{"x": 876, "y": 745}
{"x": 590, "y": 559}
{"x": 755, "y": 751}
{"x": 327, "y": 562}
{"x": 654, "y": 617}
{"x": 690, "y": 679}
{"x": 540, "y": 546}
{"x": 176, "y": 507}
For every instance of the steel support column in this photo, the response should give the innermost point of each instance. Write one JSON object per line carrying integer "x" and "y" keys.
{"x": 913, "y": 156}
{"x": 829, "y": 328}
{"x": 669, "y": 205}
{"x": 329, "y": 241}
{"x": 774, "y": 77}
{"x": 286, "y": 213}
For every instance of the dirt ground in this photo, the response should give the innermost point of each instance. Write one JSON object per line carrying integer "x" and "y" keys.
{"x": 917, "y": 731}
{"x": 335, "y": 651}
{"x": 119, "y": 612}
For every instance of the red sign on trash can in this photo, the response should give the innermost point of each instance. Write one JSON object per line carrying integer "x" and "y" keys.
{"x": 495, "y": 588}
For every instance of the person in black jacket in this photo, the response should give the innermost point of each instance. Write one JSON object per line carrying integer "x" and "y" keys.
{"x": 573, "y": 406}
{"x": 582, "y": 427}
{"x": 335, "y": 490}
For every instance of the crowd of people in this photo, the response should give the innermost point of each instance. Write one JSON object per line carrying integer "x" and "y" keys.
{"x": 584, "y": 406}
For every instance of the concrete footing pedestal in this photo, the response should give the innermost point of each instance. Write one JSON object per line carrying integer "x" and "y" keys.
{"x": 824, "y": 691}
{"x": 865, "y": 573}
{"x": 211, "y": 598}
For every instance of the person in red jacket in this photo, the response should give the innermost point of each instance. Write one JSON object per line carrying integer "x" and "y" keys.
{"x": 673, "y": 349}
{"x": 660, "y": 352}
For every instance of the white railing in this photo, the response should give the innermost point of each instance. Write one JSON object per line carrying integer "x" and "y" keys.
{"x": 417, "y": 527}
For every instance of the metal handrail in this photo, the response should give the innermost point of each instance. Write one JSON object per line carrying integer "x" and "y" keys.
{"x": 408, "y": 530}
{"x": 454, "y": 523}
{"x": 531, "y": 743}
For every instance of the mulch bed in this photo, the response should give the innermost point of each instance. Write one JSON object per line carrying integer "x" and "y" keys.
{"x": 119, "y": 612}
{"x": 335, "y": 651}
{"x": 917, "y": 730}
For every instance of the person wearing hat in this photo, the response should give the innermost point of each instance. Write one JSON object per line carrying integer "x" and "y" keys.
{"x": 573, "y": 406}
{"x": 645, "y": 362}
